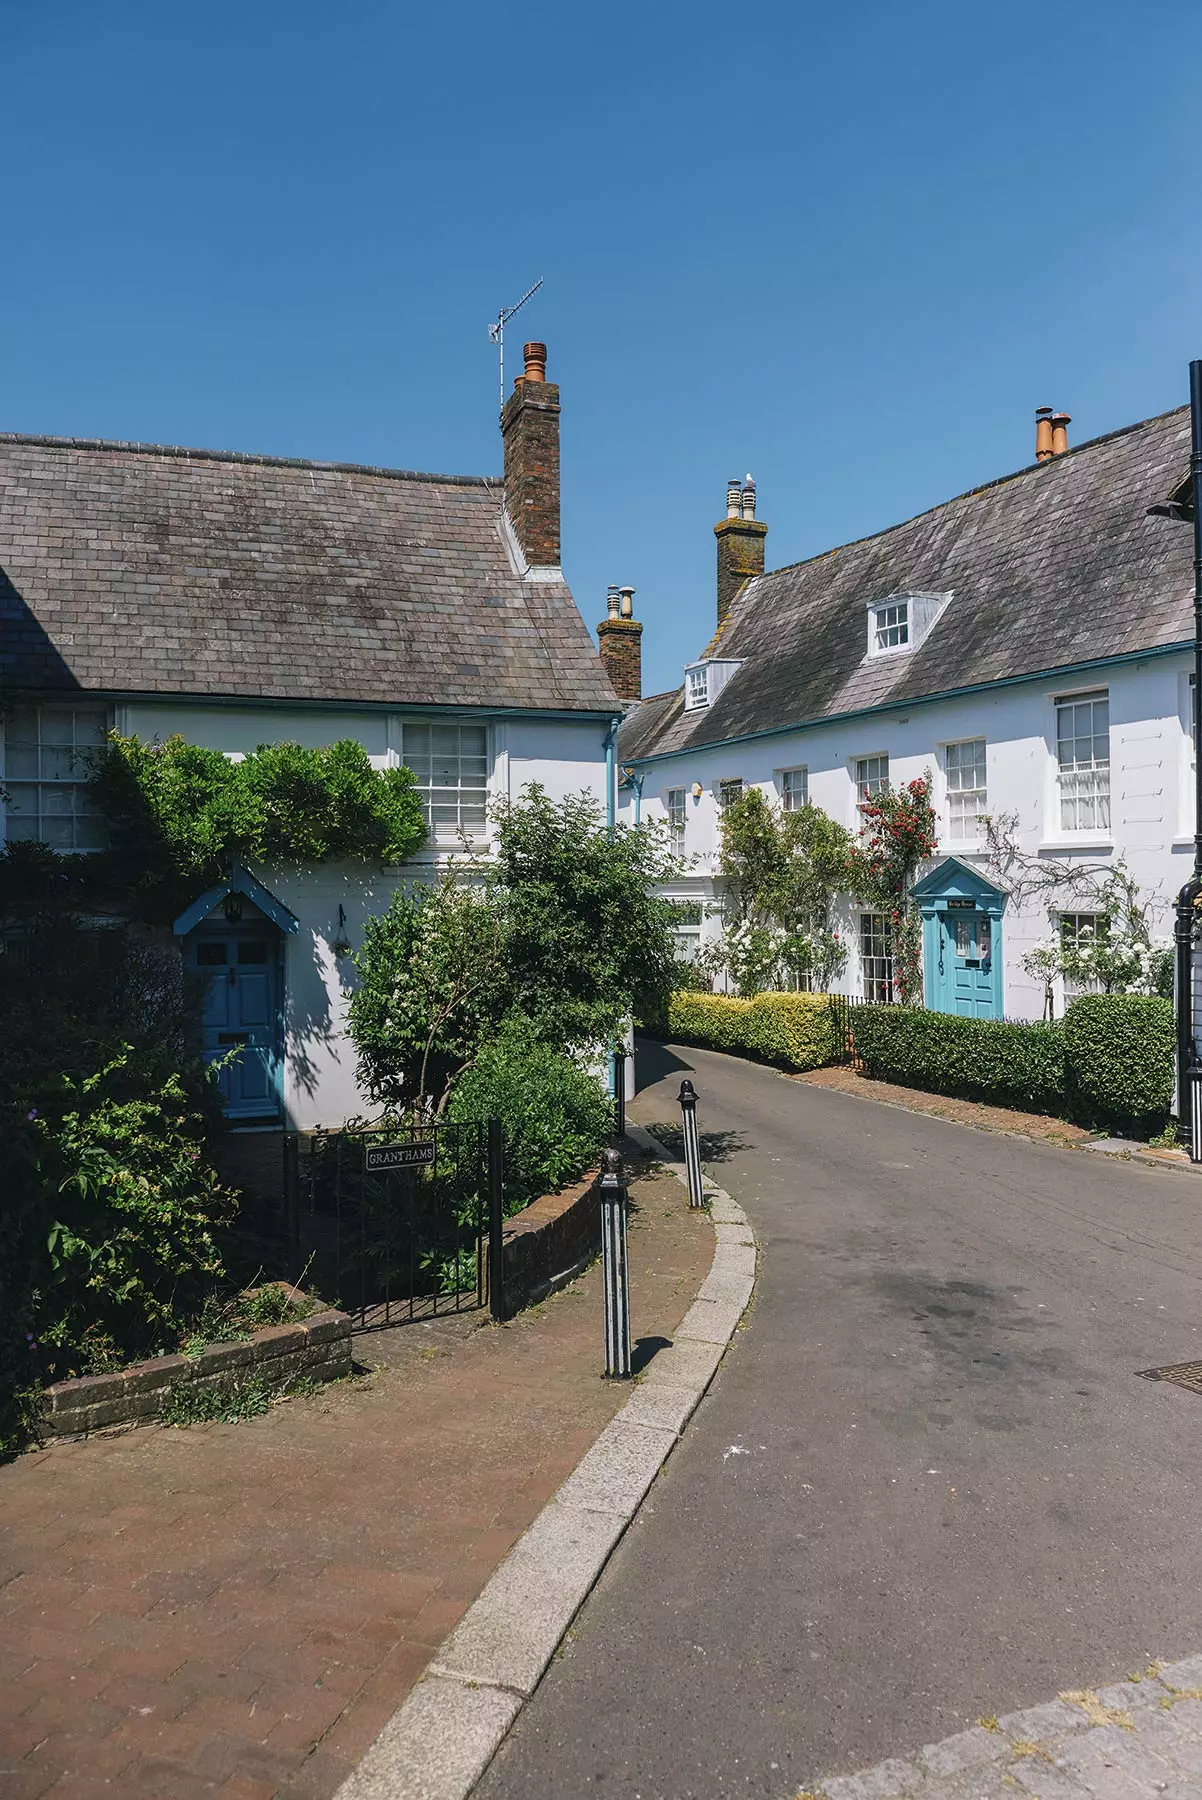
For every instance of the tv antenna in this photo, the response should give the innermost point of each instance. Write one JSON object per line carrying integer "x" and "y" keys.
{"x": 496, "y": 331}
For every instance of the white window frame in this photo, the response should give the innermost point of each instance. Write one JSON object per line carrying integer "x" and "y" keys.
{"x": 1069, "y": 926}
{"x": 677, "y": 816}
{"x": 471, "y": 813}
{"x": 876, "y": 958}
{"x": 725, "y": 798}
{"x": 788, "y": 798}
{"x": 1083, "y": 785}
{"x": 952, "y": 766}
{"x": 871, "y": 785}
{"x": 59, "y": 775}
{"x": 889, "y": 626}
{"x": 696, "y": 688}
{"x": 686, "y": 934}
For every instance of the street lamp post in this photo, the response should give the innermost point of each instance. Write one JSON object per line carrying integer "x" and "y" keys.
{"x": 1189, "y": 1083}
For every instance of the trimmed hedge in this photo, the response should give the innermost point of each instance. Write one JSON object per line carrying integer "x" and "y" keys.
{"x": 1109, "y": 1063}
{"x": 1003, "y": 1063}
{"x": 1118, "y": 1055}
{"x": 798, "y": 1031}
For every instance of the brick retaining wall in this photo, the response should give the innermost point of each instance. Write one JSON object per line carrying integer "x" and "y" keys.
{"x": 548, "y": 1241}
{"x": 318, "y": 1348}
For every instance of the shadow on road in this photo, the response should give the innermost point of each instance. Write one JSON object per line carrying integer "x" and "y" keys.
{"x": 654, "y": 1062}
{"x": 715, "y": 1146}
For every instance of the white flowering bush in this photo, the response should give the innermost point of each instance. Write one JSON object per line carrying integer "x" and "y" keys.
{"x": 1117, "y": 959}
{"x": 758, "y": 957}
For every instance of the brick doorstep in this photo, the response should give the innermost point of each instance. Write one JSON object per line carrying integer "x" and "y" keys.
{"x": 242, "y": 1605}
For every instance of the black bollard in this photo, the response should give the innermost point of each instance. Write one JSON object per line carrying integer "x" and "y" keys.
{"x": 619, "y": 1080}
{"x": 614, "y": 1268}
{"x": 692, "y": 1150}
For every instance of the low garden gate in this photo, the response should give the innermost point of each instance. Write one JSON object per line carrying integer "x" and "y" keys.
{"x": 395, "y": 1223}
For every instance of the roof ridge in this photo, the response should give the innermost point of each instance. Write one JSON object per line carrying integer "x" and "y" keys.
{"x": 983, "y": 487}
{"x": 244, "y": 456}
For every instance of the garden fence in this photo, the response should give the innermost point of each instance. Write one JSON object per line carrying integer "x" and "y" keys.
{"x": 392, "y": 1223}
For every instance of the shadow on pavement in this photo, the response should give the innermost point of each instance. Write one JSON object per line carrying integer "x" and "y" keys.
{"x": 645, "y": 1349}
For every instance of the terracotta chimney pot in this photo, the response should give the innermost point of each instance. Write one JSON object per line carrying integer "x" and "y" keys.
{"x": 1043, "y": 434}
{"x": 1060, "y": 425}
{"x": 536, "y": 361}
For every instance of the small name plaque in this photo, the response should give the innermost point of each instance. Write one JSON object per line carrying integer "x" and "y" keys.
{"x": 378, "y": 1158}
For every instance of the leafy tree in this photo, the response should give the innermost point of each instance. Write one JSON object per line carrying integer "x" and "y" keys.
{"x": 562, "y": 930}
{"x": 434, "y": 984}
{"x": 588, "y": 940}
{"x": 781, "y": 872}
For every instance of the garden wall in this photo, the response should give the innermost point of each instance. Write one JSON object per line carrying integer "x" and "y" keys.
{"x": 548, "y": 1242}
{"x": 318, "y": 1348}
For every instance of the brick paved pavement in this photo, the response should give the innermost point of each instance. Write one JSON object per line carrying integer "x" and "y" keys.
{"x": 237, "y": 1610}
{"x": 1139, "y": 1738}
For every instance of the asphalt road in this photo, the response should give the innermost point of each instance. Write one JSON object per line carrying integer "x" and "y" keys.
{"x": 926, "y": 1484}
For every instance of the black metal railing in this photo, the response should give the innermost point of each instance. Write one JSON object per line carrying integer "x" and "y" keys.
{"x": 392, "y": 1223}
{"x": 843, "y": 1007}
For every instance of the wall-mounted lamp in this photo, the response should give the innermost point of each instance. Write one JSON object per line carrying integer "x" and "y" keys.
{"x": 233, "y": 909}
{"x": 696, "y": 790}
{"x": 341, "y": 945}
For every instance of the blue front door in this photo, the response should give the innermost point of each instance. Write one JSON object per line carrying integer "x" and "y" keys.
{"x": 968, "y": 972}
{"x": 240, "y": 967}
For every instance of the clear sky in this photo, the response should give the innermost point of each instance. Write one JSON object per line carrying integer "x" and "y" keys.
{"x": 847, "y": 248}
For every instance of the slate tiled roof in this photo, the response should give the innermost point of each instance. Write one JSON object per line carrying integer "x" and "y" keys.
{"x": 1056, "y": 565}
{"x": 136, "y": 569}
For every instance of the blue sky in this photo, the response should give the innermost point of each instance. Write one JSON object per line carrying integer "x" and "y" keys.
{"x": 849, "y": 249}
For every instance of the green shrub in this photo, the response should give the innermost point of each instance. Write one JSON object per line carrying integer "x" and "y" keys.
{"x": 555, "y": 1114}
{"x": 127, "y": 1211}
{"x": 1119, "y": 1051}
{"x": 798, "y": 1031}
{"x": 715, "y": 1021}
{"x": 994, "y": 1060}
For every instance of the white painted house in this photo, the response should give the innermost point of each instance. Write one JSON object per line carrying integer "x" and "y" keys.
{"x": 241, "y": 600}
{"x": 1029, "y": 643}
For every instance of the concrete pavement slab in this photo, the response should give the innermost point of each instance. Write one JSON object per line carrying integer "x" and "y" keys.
{"x": 437, "y": 1746}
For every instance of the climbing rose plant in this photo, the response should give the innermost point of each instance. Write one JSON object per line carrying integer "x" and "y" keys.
{"x": 898, "y": 833}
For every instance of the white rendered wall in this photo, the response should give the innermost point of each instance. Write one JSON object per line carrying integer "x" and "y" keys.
{"x": 565, "y": 755}
{"x": 1151, "y": 790}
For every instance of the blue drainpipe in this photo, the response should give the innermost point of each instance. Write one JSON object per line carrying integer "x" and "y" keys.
{"x": 611, "y": 774}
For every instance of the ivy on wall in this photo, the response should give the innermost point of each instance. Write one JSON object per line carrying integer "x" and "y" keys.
{"x": 179, "y": 812}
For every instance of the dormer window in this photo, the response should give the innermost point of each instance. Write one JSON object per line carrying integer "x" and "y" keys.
{"x": 704, "y": 681}
{"x": 900, "y": 622}
{"x": 890, "y": 626}
{"x": 697, "y": 688}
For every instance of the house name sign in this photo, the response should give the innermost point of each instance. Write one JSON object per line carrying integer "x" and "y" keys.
{"x": 377, "y": 1158}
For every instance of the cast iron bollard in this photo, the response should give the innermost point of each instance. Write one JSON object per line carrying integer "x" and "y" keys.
{"x": 692, "y": 1152}
{"x": 614, "y": 1268}
{"x": 619, "y": 1081}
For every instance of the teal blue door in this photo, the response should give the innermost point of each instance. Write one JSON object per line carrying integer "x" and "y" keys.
{"x": 968, "y": 972}
{"x": 240, "y": 968}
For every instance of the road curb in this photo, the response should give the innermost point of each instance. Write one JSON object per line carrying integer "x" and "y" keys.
{"x": 440, "y": 1741}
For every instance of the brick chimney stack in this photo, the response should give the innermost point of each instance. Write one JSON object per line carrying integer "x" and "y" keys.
{"x": 530, "y": 430}
{"x": 740, "y": 538}
{"x": 618, "y": 636}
